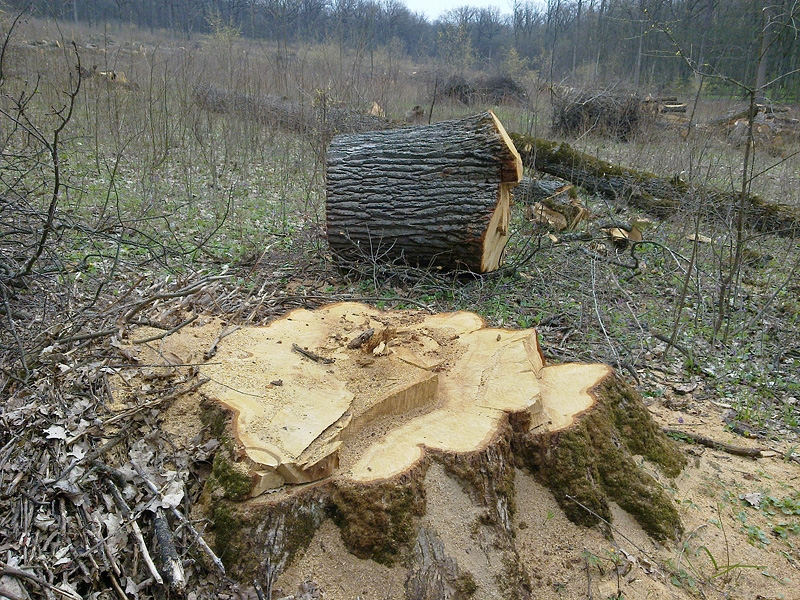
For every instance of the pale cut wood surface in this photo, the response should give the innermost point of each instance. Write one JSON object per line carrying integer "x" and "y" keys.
{"x": 443, "y": 382}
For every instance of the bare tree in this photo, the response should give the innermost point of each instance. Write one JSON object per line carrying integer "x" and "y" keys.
{"x": 774, "y": 22}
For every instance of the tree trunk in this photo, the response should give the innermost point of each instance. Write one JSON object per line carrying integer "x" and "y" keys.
{"x": 432, "y": 195}
{"x": 761, "y": 65}
{"x": 421, "y": 426}
{"x": 656, "y": 195}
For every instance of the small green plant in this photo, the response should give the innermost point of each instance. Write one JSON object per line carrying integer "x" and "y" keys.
{"x": 683, "y": 579}
{"x": 757, "y": 536}
{"x": 722, "y": 570}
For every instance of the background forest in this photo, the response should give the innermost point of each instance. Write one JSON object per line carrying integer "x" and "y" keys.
{"x": 571, "y": 41}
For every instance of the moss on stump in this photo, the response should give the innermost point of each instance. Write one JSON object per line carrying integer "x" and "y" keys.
{"x": 379, "y": 520}
{"x": 258, "y": 536}
{"x": 591, "y": 462}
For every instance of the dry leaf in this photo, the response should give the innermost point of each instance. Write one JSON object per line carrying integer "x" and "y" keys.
{"x": 541, "y": 214}
{"x": 56, "y": 432}
{"x": 753, "y": 498}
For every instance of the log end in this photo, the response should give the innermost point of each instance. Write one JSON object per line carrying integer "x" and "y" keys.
{"x": 432, "y": 399}
{"x": 302, "y": 402}
{"x": 512, "y": 167}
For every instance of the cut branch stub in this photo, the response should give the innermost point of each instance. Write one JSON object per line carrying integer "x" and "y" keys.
{"x": 432, "y": 195}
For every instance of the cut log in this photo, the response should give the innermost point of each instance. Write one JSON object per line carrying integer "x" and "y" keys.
{"x": 432, "y": 195}
{"x": 381, "y": 437}
{"x": 673, "y": 108}
{"x": 656, "y": 195}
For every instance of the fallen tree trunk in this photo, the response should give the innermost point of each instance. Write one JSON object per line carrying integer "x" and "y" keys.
{"x": 647, "y": 191}
{"x": 432, "y": 195}
{"x": 656, "y": 195}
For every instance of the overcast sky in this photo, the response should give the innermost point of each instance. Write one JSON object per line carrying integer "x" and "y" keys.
{"x": 432, "y": 9}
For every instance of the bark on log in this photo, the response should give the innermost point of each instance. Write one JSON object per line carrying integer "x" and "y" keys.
{"x": 656, "y": 195}
{"x": 432, "y": 195}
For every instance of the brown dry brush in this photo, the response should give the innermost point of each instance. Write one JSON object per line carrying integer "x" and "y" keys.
{"x": 321, "y": 119}
{"x": 494, "y": 89}
{"x": 89, "y": 491}
{"x": 94, "y": 498}
{"x": 617, "y": 115}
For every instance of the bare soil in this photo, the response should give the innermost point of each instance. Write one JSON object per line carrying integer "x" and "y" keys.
{"x": 722, "y": 553}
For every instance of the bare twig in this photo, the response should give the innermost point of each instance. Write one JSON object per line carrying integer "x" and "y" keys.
{"x": 54, "y": 150}
{"x": 5, "y": 593}
{"x": 170, "y": 561}
{"x": 152, "y": 403}
{"x": 161, "y": 336}
{"x": 90, "y": 456}
{"x": 212, "y": 350}
{"x": 608, "y": 523}
{"x": 312, "y": 356}
{"x": 709, "y": 443}
{"x": 122, "y": 505}
{"x": 6, "y": 569}
{"x": 184, "y": 521}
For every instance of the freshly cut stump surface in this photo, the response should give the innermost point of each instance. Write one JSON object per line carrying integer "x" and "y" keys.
{"x": 380, "y": 414}
{"x": 308, "y": 406}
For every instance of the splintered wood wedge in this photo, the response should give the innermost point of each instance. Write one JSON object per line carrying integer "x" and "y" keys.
{"x": 421, "y": 382}
{"x": 432, "y": 195}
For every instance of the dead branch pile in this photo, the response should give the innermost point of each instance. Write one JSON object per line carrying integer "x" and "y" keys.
{"x": 95, "y": 496}
{"x": 620, "y": 116}
{"x": 95, "y": 499}
{"x": 314, "y": 119}
{"x": 496, "y": 89}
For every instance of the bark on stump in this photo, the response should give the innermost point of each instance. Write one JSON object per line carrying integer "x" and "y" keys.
{"x": 432, "y": 195}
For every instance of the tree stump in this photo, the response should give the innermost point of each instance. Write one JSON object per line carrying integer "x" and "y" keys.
{"x": 367, "y": 418}
{"x": 432, "y": 195}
